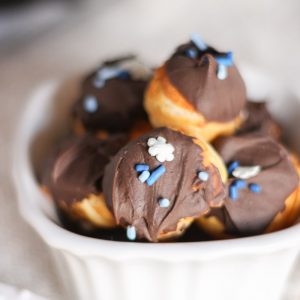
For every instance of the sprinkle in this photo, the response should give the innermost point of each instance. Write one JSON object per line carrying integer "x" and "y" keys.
{"x": 106, "y": 73}
{"x": 202, "y": 175}
{"x": 222, "y": 72}
{"x": 191, "y": 53}
{"x": 199, "y": 43}
{"x": 246, "y": 172}
{"x": 233, "y": 192}
{"x": 159, "y": 148}
{"x": 98, "y": 83}
{"x": 254, "y": 187}
{"x": 155, "y": 174}
{"x": 124, "y": 75}
{"x": 225, "y": 60}
{"x": 90, "y": 104}
{"x": 141, "y": 167}
{"x": 144, "y": 176}
{"x": 233, "y": 166}
{"x": 164, "y": 202}
{"x": 240, "y": 184}
{"x": 131, "y": 232}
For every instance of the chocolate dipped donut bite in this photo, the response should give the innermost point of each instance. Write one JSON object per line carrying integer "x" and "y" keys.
{"x": 112, "y": 99}
{"x": 158, "y": 184}
{"x": 263, "y": 188}
{"x": 73, "y": 179}
{"x": 259, "y": 121}
{"x": 198, "y": 91}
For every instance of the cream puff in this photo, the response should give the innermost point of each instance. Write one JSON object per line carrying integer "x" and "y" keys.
{"x": 158, "y": 184}
{"x": 198, "y": 91}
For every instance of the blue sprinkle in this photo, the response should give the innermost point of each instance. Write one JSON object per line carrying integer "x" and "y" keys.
{"x": 144, "y": 176}
{"x": 202, "y": 175}
{"x": 131, "y": 233}
{"x": 141, "y": 167}
{"x": 254, "y": 187}
{"x": 90, "y": 104}
{"x": 240, "y": 184}
{"x": 225, "y": 60}
{"x": 164, "y": 202}
{"x": 233, "y": 192}
{"x": 233, "y": 166}
{"x": 108, "y": 72}
{"x": 199, "y": 43}
{"x": 124, "y": 74}
{"x": 222, "y": 72}
{"x": 191, "y": 53}
{"x": 156, "y": 174}
{"x": 98, "y": 83}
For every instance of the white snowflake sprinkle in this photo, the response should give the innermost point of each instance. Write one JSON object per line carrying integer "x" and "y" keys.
{"x": 159, "y": 148}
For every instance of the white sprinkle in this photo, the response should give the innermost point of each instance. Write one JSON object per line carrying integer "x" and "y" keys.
{"x": 161, "y": 139}
{"x": 164, "y": 202}
{"x": 131, "y": 232}
{"x": 222, "y": 72}
{"x": 244, "y": 172}
{"x": 159, "y": 148}
{"x": 144, "y": 176}
{"x": 151, "y": 142}
{"x": 90, "y": 104}
{"x": 202, "y": 175}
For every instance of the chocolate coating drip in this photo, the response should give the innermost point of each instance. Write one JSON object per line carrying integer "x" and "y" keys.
{"x": 196, "y": 79}
{"x": 135, "y": 203}
{"x": 119, "y": 103}
{"x": 252, "y": 212}
{"x": 259, "y": 121}
{"x": 76, "y": 169}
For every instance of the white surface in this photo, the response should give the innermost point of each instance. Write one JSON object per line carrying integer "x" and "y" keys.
{"x": 126, "y": 270}
{"x": 262, "y": 32}
{"x": 8, "y": 292}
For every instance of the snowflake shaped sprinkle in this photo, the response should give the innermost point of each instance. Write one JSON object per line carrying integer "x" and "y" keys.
{"x": 159, "y": 148}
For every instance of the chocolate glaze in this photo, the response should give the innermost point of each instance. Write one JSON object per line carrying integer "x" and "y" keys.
{"x": 196, "y": 79}
{"x": 252, "y": 212}
{"x": 120, "y": 103}
{"x": 77, "y": 166}
{"x": 259, "y": 121}
{"x": 135, "y": 203}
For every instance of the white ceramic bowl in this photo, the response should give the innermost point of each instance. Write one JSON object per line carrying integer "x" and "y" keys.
{"x": 246, "y": 268}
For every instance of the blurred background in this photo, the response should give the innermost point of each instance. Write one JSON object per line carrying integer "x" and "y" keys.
{"x": 40, "y": 40}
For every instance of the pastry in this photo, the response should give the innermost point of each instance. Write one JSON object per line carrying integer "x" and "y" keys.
{"x": 262, "y": 189}
{"x": 258, "y": 120}
{"x": 112, "y": 99}
{"x": 74, "y": 175}
{"x": 158, "y": 184}
{"x": 198, "y": 91}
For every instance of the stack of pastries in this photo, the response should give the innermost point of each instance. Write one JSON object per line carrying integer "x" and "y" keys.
{"x": 154, "y": 153}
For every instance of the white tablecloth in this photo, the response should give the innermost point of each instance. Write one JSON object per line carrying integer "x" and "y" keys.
{"x": 264, "y": 33}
